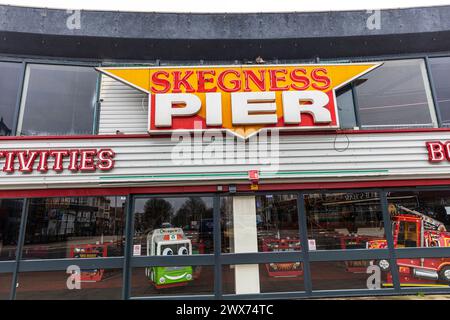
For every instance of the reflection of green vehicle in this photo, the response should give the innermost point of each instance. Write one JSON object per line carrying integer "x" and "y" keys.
{"x": 168, "y": 242}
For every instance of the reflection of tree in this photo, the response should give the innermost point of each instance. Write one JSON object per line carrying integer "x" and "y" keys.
{"x": 194, "y": 209}
{"x": 156, "y": 211}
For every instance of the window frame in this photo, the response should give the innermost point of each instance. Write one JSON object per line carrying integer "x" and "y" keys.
{"x": 218, "y": 259}
{"x": 21, "y": 89}
{"x": 24, "y": 91}
{"x": 98, "y": 63}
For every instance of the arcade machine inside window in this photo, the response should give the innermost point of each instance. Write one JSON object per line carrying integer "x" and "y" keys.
{"x": 168, "y": 227}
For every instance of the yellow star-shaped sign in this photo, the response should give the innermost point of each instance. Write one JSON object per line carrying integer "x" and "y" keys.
{"x": 203, "y": 80}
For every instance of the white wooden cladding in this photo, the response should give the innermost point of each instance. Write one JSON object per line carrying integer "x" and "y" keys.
{"x": 302, "y": 158}
{"x": 122, "y": 108}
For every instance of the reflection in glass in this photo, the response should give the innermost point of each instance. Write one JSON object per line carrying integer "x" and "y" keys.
{"x": 10, "y": 213}
{"x": 262, "y": 223}
{"x": 440, "y": 70}
{"x": 52, "y": 285}
{"x": 75, "y": 227}
{"x": 10, "y": 74}
{"x": 276, "y": 223}
{"x": 396, "y": 94}
{"x": 170, "y": 227}
{"x": 420, "y": 219}
{"x": 166, "y": 281}
{"x": 342, "y": 275}
{"x": 58, "y": 100}
{"x": 174, "y": 219}
{"x": 273, "y": 277}
{"x": 343, "y": 220}
{"x": 424, "y": 272}
{"x": 346, "y": 108}
{"x": 5, "y": 285}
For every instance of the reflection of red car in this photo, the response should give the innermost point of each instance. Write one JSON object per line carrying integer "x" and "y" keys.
{"x": 414, "y": 229}
{"x": 90, "y": 251}
{"x": 282, "y": 269}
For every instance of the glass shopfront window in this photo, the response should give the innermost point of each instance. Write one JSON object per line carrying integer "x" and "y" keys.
{"x": 420, "y": 219}
{"x": 148, "y": 281}
{"x": 341, "y": 275}
{"x": 424, "y": 272}
{"x": 58, "y": 100}
{"x": 266, "y": 224}
{"x": 10, "y": 215}
{"x": 5, "y": 285}
{"x": 173, "y": 226}
{"x": 346, "y": 108}
{"x": 273, "y": 277}
{"x": 75, "y": 227}
{"x": 275, "y": 223}
{"x": 10, "y": 74}
{"x": 262, "y": 223}
{"x": 396, "y": 94}
{"x": 343, "y": 220}
{"x": 56, "y": 285}
{"x": 440, "y": 70}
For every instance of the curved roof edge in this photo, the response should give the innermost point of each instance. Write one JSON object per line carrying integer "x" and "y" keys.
{"x": 183, "y": 36}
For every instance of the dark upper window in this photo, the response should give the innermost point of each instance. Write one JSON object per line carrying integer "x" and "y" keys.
{"x": 9, "y": 88}
{"x": 440, "y": 70}
{"x": 57, "y": 100}
{"x": 396, "y": 94}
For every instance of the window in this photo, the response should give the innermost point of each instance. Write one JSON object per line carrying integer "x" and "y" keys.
{"x": 341, "y": 275}
{"x": 55, "y": 285}
{"x": 173, "y": 226}
{"x": 396, "y": 94}
{"x": 423, "y": 272}
{"x": 420, "y": 219}
{"x": 440, "y": 70}
{"x": 344, "y": 220}
{"x": 346, "y": 108}
{"x": 262, "y": 223}
{"x": 275, "y": 225}
{"x": 9, "y": 88}
{"x": 75, "y": 227}
{"x": 58, "y": 100}
{"x": 5, "y": 285}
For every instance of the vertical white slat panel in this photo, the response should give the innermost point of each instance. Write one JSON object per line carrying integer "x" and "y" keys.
{"x": 122, "y": 108}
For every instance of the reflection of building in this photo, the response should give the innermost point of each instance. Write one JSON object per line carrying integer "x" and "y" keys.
{"x": 4, "y": 130}
{"x": 59, "y": 218}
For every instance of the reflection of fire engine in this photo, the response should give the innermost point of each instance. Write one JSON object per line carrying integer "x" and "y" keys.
{"x": 90, "y": 251}
{"x": 414, "y": 229}
{"x": 282, "y": 269}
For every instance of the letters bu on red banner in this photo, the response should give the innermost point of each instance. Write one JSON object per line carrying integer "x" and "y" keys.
{"x": 438, "y": 151}
{"x": 241, "y": 99}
